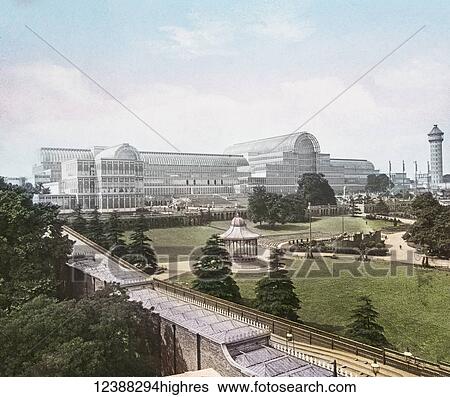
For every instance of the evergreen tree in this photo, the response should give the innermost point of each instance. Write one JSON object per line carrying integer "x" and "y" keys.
{"x": 381, "y": 207}
{"x": 275, "y": 292}
{"x": 213, "y": 271}
{"x": 364, "y": 326}
{"x": 114, "y": 239}
{"x": 141, "y": 252}
{"x": 96, "y": 230}
{"x": 79, "y": 223}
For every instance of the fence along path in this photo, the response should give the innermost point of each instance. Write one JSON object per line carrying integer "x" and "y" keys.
{"x": 304, "y": 333}
{"x": 281, "y": 327}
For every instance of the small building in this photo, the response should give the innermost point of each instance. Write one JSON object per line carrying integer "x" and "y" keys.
{"x": 241, "y": 242}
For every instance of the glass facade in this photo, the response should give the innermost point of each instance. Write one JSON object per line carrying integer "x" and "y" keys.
{"x": 278, "y": 162}
{"x": 122, "y": 178}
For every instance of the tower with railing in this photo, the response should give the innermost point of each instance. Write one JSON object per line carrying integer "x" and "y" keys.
{"x": 435, "y": 137}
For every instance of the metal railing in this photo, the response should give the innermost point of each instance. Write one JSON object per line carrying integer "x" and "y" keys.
{"x": 281, "y": 327}
{"x": 304, "y": 333}
{"x": 108, "y": 254}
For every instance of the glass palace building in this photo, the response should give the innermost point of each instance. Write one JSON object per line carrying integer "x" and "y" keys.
{"x": 122, "y": 178}
{"x": 277, "y": 163}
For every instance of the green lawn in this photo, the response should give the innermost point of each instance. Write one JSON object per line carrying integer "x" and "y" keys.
{"x": 414, "y": 309}
{"x": 325, "y": 225}
{"x": 182, "y": 240}
{"x": 196, "y": 235}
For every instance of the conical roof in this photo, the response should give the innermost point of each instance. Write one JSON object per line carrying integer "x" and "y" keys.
{"x": 238, "y": 230}
{"x": 435, "y": 132}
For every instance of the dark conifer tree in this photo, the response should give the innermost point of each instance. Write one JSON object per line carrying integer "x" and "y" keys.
{"x": 141, "y": 252}
{"x": 213, "y": 271}
{"x": 96, "y": 229}
{"x": 275, "y": 292}
{"x": 364, "y": 326}
{"x": 114, "y": 238}
{"x": 79, "y": 223}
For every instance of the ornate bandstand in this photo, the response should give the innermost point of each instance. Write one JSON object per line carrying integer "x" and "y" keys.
{"x": 241, "y": 242}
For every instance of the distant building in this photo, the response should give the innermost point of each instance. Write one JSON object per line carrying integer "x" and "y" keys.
{"x": 279, "y": 161}
{"x": 16, "y": 180}
{"x": 123, "y": 178}
{"x": 435, "y": 137}
{"x": 401, "y": 182}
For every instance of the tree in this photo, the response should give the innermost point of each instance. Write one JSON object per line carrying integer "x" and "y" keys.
{"x": 275, "y": 293}
{"x": 79, "y": 223}
{"x": 275, "y": 208}
{"x": 314, "y": 188}
{"x": 141, "y": 252}
{"x": 293, "y": 208}
{"x": 103, "y": 335}
{"x": 213, "y": 271}
{"x": 364, "y": 326}
{"x": 378, "y": 183}
{"x": 275, "y": 212}
{"x": 431, "y": 231}
{"x": 114, "y": 239}
{"x": 381, "y": 207}
{"x": 257, "y": 204}
{"x": 423, "y": 202}
{"x": 96, "y": 230}
{"x": 32, "y": 249}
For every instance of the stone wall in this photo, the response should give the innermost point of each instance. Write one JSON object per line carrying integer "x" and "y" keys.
{"x": 183, "y": 351}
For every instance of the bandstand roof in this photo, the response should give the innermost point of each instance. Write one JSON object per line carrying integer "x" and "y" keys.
{"x": 238, "y": 231}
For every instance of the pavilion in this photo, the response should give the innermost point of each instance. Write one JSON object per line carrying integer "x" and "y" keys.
{"x": 242, "y": 243}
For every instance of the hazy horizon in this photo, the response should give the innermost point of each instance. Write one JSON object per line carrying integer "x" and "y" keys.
{"x": 207, "y": 75}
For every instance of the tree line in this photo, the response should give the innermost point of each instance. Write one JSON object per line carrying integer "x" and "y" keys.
{"x": 272, "y": 208}
{"x": 108, "y": 234}
{"x": 275, "y": 292}
{"x": 44, "y": 334}
{"x": 431, "y": 230}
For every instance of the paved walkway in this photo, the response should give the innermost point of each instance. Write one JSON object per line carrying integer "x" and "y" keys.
{"x": 400, "y": 251}
{"x": 357, "y": 365}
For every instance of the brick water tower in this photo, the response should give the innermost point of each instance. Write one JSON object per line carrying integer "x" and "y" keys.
{"x": 435, "y": 137}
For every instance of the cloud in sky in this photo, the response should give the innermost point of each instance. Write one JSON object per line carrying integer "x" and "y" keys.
{"x": 281, "y": 27}
{"x": 208, "y": 39}
{"x": 45, "y": 104}
{"x": 206, "y": 36}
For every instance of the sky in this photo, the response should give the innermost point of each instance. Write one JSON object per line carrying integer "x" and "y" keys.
{"x": 207, "y": 74}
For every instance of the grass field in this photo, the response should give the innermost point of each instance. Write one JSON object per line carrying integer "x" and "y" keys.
{"x": 181, "y": 240}
{"x": 414, "y": 309}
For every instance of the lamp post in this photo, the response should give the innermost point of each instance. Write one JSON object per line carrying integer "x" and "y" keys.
{"x": 375, "y": 367}
{"x": 289, "y": 338}
{"x": 408, "y": 355}
{"x": 309, "y": 254}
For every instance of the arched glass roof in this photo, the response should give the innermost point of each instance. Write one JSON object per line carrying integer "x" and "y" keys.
{"x": 296, "y": 142}
{"x": 119, "y": 152}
